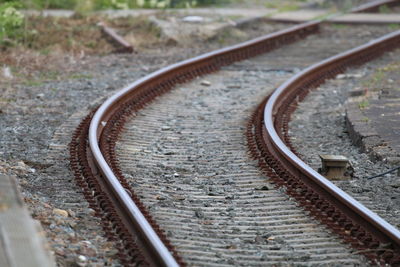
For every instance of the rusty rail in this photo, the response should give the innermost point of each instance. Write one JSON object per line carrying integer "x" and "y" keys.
{"x": 374, "y": 6}
{"x": 271, "y": 144}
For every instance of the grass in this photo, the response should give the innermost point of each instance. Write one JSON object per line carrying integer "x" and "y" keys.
{"x": 79, "y": 35}
{"x": 384, "y": 9}
{"x": 33, "y": 83}
{"x": 284, "y": 6}
{"x": 379, "y": 77}
{"x": 394, "y": 26}
{"x": 339, "y": 26}
{"x": 365, "y": 119}
{"x": 42, "y": 77}
{"x": 80, "y": 76}
{"x": 363, "y": 104}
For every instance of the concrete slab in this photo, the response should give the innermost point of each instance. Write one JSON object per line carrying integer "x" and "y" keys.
{"x": 22, "y": 240}
{"x": 298, "y": 15}
{"x": 306, "y": 15}
{"x": 370, "y": 17}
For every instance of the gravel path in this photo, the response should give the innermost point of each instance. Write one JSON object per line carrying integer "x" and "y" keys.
{"x": 318, "y": 127}
{"x": 185, "y": 156}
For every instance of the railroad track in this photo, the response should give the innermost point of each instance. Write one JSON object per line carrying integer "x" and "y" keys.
{"x": 125, "y": 217}
{"x": 270, "y": 144}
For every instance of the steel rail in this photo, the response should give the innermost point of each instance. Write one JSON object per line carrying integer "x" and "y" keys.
{"x": 371, "y": 221}
{"x": 373, "y": 6}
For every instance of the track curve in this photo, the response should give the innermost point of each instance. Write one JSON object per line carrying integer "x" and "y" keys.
{"x": 303, "y": 182}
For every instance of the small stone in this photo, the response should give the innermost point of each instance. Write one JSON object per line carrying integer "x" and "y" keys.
{"x": 199, "y": 214}
{"x": 265, "y": 188}
{"x": 275, "y": 247}
{"x": 40, "y": 96}
{"x": 46, "y": 205}
{"x": 60, "y": 212}
{"x": 20, "y": 166}
{"x": 349, "y": 76}
{"x": 7, "y": 72}
{"x": 59, "y": 251}
{"x": 205, "y": 83}
{"x": 91, "y": 211}
{"x": 71, "y": 213}
{"x": 193, "y": 19}
{"x": 258, "y": 239}
{"x": 179, "y": 198}
{"x": 81, "y": 261}
{"x": 112, "y": 253}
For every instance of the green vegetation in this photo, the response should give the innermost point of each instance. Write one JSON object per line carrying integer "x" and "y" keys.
{"x": 80, "y": 76}
{"x": 284, "y": 6}
{"x": 365, "y": 119}
{"x": 394, "y": 26}
{"x": 11, "y": 23}
{"x": 379, "y": 76}
{"x": 339, "y": 26}
{"x": 41, "y": 78}
{"x": 89, "y": 5}
{"x": 384, "y": 9}
{"x": 363, "y": 104}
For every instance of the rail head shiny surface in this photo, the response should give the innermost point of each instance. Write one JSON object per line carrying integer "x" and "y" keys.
{"x": 269, "y": 113}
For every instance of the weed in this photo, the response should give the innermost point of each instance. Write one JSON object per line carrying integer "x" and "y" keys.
{"x": 80, "y": 76}
{"x": 384, "y": 9}
{"x": 45, "y": 51}
{"x": 339, "y": 26}
{"x": 363, "y": 104}
{"x": 283, "y": 6}
{"x": 378, "y": 76}
{"x": 11, "y": 23}
{"x": 365, "y": 119}
{"x": 7, "y": 100}
{"x": 33, "y": 83}
{"x": 394, "y": 26}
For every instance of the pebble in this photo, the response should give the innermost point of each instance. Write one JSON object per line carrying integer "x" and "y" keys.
{"x": 205, "y": 83}
{"x": 199, "y": 214}
{"x": 165, "y": 128}
{"x": 82, "y": 260}
{"x": 40, "y": 96}
{"x": 60, "y": 212}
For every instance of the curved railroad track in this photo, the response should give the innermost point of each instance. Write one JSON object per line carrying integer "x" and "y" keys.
{"x": 126, "y": 219}
{"x": 270, "y": 144}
